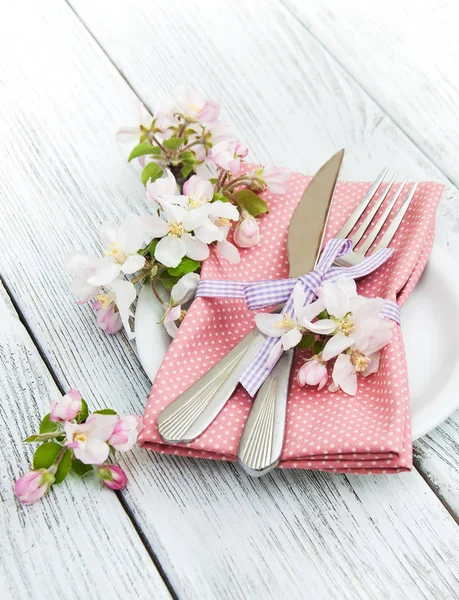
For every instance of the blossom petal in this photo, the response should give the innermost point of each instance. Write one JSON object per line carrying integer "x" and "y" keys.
{"x": 266, "y": 323}
{"x": 335, "y": 345}
{"x": 106, "y": 272}
{"x": 335, "y": 299}
{"x": 125, "y": 296}
{"x": 224, "y": 209}
{"x": 291, "y": 339}
{"x": 170, "y": 250}
{"x": 299, "y": 298}
{"x": 185, "y": 288}
{"x": 310, "y": 311}
{"x": 94, "y": 452}
{"x": 127, "y": 134}
{"x": 195, "y": 249}
{"x": 274, "y": 355}
{"x": 154, "y": 226}
{"x": 208, "y": 232}
{"x": 109, "y": 233}
{"x": 344, "y": 375}
{"x": 228, "y": 251}
{"x": 133, "y": 263}
{"x": 322, "y": 326}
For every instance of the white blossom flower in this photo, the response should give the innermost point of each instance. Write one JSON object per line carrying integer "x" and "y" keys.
{"x": 122, "y": 244}
{"x": 133, "y": 133}
{"x": 353, "y": 318}
{"x": 121, "y": 294}
{"x": 82, "y": 268}
{"x": 181, "y": 293}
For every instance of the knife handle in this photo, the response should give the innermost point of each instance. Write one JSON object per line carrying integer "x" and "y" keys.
{"x": 189, "y": 415}
{"x": 262, "y": 439}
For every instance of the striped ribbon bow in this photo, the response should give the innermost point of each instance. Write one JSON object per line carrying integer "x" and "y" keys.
{"x": 261, "y": 294}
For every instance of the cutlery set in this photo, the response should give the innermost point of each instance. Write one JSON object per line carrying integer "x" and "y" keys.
{"x": 261, "y": 443}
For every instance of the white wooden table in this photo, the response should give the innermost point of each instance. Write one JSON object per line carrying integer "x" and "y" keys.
{"x": 300, "y": 80}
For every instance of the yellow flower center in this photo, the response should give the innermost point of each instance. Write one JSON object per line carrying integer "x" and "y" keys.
{"x": 345, "y": 327}
{"x": 80, "y": 437}
{"x": 195, "y": 202}
{"x": 284, "y": 322}
{"x": 115, "y": 251}
{"x": 222, "y": 222}
{"x": 176, "y": 229}
{"x": 106, "y": 299}
{"x": 182, "y": 315}
{"x": 194, "y": 107}
{"x": 359, "y": 360}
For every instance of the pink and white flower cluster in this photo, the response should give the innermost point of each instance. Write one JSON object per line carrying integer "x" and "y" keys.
{"x": 192, "y": 168}
{"x": 83, "y": 441}
{"x": 341, "y": 326}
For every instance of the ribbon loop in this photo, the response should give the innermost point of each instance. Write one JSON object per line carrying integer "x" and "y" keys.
{"x": 261, "y": 294}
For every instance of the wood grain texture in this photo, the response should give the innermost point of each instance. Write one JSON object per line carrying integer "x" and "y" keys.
{"x": 216, "y": 532}
{"x": 405, "y": 55}
{"x": 78, "y": 542}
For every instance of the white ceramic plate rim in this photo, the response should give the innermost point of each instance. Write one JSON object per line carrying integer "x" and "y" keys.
{"x": 152, "y": 340}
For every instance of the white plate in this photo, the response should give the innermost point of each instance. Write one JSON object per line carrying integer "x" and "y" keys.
{"x": 430, "y": 325}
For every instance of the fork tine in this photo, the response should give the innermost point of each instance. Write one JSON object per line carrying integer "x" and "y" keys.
{"x": 369, "y": 218}
{"x": 379, "y": 225}
{"x": 387, "y": 237}
{"x": 361, "y": 206}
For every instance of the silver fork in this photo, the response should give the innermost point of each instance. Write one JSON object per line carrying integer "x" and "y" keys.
{"x": 262, "y": 439}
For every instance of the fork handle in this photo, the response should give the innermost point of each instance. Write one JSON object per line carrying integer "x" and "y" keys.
{"x": 189, "y": 415}
{"x": 262, "y": 439}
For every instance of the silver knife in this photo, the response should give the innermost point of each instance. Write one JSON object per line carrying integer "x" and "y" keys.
{"x": 262, "y": 439}
{"x": 189, "y": 415}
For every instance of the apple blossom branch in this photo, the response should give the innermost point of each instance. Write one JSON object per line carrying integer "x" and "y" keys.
{"x": 72, "y": 440}
{"x": 200, "y": 203}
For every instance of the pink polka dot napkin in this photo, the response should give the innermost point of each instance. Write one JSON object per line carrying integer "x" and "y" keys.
{"x": 366, "y": 433}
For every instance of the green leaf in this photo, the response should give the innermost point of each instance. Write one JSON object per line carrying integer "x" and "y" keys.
{"x": 142, "y": 150}
{"x": 43, "y": 437}
{"x": 151, "y": 171}
{"x": 252, "y": 203}
{"x": 80, "y": 468}
{"x": 167, "y": 280}
{"x": 46, "y": 454}
{"x": 218, "y": 196}
{"x": 173, "y": 143}
{"x": 47, "y": 426}
{"x": 306, "y": 341}
{"x": 323, "y": 315}
{"x": 213, "y": 181}
{"x": 186, "y": 170}
{"x": 84, "y": 412}
{"x": 105, "y": 411}
{"x": 188, "y": 157}
{"x": 188, "y": 265}
{"x": 318, "y": 346}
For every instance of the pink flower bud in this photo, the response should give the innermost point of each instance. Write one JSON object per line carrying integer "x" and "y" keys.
{"x": 33, "y": 485}
{"x": 241, "y": 150}
{"x": 125, "y": 434}
{"x": 313, "y": 372}
{"x": 112, "y": 476}
{"x": 247, "y": 233}
{"x": 108, "y": 319}
{"x": 67, "y": 408}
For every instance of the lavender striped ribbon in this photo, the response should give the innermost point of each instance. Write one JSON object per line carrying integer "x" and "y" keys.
{"x": 260, "y": 294}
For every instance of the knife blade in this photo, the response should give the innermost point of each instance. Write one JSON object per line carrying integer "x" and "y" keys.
{"x": 191, "y": 413}
{"x": 262, "y": 439}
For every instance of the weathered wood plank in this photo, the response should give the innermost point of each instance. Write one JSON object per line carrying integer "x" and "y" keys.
{"x": 216, "y": 533}
{"x": 78, "y": 542}
{"x": 405, "y": 55}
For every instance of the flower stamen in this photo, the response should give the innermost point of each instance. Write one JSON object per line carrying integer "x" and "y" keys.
{"x": 106, "y": 299}
{"x": 115, "y": 251}
{"x": 176, "y": 229}
{"x": 284, "y": 322}
{"x": 359, "y": 360}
